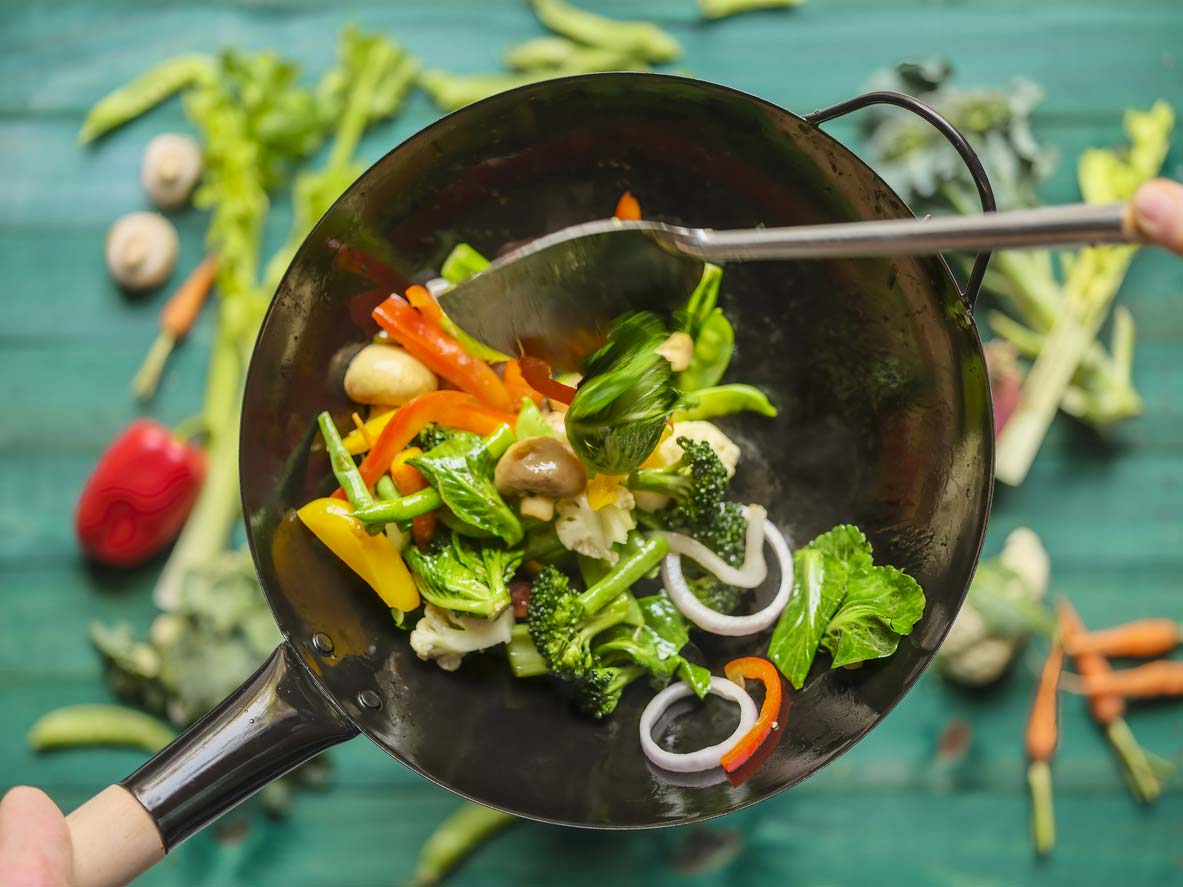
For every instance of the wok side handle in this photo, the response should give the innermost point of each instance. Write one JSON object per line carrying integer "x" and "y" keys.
{"x": 278, "y": 719}
{"x": 973, "y": 286}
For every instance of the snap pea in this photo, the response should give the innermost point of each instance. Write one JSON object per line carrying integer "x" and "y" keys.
{"x": 724, "y": 8}
{"x": 344, "y": 468}
{"x": 713, "y": 347}
{"x": 702, "y": 301}
{"x": 540, "y": 53}
{"x": 723, "y": 400}
{"x": 644, "y": 40}
{"x": 84, "y": 725}
{"x": 149, "y": 89}
{"x": 454, "y": 839}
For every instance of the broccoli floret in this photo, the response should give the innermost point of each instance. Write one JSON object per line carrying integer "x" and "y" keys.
{"x": 697, "y": 483}
{"x": 432, "y": 436}
{"x": 714, "y": 594}
{"x": 724, "y": 532}
{"x": 563, "y": 624}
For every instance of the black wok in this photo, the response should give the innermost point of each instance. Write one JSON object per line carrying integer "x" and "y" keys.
{"x": 885, "y": 421}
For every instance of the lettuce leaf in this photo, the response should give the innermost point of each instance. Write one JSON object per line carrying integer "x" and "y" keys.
{"x": 881, "y": 605}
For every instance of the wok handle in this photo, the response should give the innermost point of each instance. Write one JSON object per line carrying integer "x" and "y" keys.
{"x": 973, "y": 286}
{"x": 278, "y": 719}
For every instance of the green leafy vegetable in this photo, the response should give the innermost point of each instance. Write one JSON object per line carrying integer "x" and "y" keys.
{"x": 461, "y": 470}
{"x": 619, "y": 412}
{"x": 458, "y": 575}
{"x": 145, "y": 92}
{"x": 842, "y": 601}
{"x": 657, "y": 645}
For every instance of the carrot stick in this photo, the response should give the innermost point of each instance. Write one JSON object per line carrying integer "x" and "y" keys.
{"x": 409, "y": 480}
{"x": 627, "y": 208}
{"x": 1141, "y": 639}
{"x": 1153, "y": 680}
{"x": 179, "y": 314}
{"x": 1041, "y": 745}
{"x": 1108, "y": 710}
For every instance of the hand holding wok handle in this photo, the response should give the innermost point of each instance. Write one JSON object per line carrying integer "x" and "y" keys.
{"x": 275, "y": 721}
{"x": 1157, "y": 214}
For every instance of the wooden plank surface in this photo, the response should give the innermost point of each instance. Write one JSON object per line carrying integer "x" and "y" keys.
{"x": 1110, "y": 510}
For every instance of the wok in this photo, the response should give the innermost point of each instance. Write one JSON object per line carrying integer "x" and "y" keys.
{"x": 885, "y": 421}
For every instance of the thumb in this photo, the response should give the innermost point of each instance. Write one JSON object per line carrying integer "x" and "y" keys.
{"x": 35, "y": 846}
{"x": 1158, "y": 213}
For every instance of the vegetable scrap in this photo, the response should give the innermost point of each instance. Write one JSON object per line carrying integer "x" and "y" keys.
{"x": 1042, "y": 738}
{"x": 1052, "y": 319}
{"x": 90, "y": 725}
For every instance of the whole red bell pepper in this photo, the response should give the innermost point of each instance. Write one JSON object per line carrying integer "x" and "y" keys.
{"x": 139, "y": 495}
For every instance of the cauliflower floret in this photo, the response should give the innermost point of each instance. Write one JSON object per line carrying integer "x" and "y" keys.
{"x": 446, "y": 636}
{"x": 592, "y": 532}
{"x": 669, "y": 452}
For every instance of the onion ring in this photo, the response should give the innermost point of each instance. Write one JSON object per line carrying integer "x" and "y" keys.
{"x": 754, "y": 569}
{"x": 720, "y": 623}
{"x": 705, "y": 758}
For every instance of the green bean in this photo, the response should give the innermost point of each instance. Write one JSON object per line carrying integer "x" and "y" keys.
{"x": 149, "y": 89}
{"x": 455, "y": 838}
{"x": 385, "y": 488}
{"x": 713, "y": 348}
{"x": 344, "y": 468}
{"x": 84, "y": 725}
{"x": 723, "y": 400}
{"x": 645, "y": 40}
{"x": 386, "y": 511}
{"x": 724, "y": 8}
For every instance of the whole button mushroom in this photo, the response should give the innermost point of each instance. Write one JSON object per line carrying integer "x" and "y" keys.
{"x": 542, "y": 465}
{"x": 387, "y": 375}
{"x": 141, "y": 250}
{"x": 170, "y": 169}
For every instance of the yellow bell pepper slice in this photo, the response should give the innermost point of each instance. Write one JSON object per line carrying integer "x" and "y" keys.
{"x": 373, "y": 558}
{"x": 358, "y": 441}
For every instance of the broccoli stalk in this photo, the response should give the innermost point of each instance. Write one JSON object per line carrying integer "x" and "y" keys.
{"x": 563, "y": 624}
{"x": 524, "y": 659}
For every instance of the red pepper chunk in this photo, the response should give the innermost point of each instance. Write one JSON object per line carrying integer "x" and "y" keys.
{"x": 536, "y": 373}
{"x": 139, "y": 495}
{"x": 754, "y": 668}
{"x": 440, "y": 353}
{"x": 627, "y": 208}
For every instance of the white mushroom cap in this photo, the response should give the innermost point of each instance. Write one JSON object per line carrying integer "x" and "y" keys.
{"x": 170, "y": 169}
{"x": 141, "y": 250}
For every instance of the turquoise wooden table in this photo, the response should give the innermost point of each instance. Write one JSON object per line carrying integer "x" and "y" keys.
{"x": 1110, "y": 511}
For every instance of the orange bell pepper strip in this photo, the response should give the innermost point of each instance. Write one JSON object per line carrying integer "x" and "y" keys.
{"x": 536, "y": 372}
{"x": 517, "y": 386}
{"x": 754, "y": 668}
{"x": 627, "y": 208}
{"x": 440, "y": 353}
{"x": 409, "y": 480}
{"x": 421, "y": 298}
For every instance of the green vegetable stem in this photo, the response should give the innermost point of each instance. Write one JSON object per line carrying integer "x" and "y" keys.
{"x": 344, "y": 468}
{"x": 724, "y": 400}
{"x": 89, "y": 725}
{"x": 455, "y": 839}
{"x": 145, "y": 92}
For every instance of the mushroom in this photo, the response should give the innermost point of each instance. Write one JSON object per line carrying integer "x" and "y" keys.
{"x": 678, "y": 349}
{"x": 387, "y": 375}
{"x": 170, "y": 169}
{"x": 141, "y": 250}
{"x": 539, "y": 507}
{"x": 540, "y": 465}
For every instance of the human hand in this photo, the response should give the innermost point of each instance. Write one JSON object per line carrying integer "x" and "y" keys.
{"x": 35, "y": 846}
{"x": 1158, "y": 213}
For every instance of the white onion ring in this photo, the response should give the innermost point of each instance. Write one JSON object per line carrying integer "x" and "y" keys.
{"x": 754, "y": 569}
{"x": 704, "y": 758}
{"x": 720, "y": 623}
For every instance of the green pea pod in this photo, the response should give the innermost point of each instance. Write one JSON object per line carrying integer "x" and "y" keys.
{"x": 713, "y": 347}
{"x": 84, "y": 725}
{"x": 145, "y": 92}
{"x": 702, "y": 301}
{"x": 723, "y": 400}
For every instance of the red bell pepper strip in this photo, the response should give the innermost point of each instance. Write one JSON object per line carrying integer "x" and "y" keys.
{"x": 627, "y": 208}
{"x": 536, "y": 372}
{"x": 754, "y": 668}
{"x": 454, "y": 409}
{"x": 139, "y": 495}
{"x": 409, "y": 480}
{"x": 440, "y": 353}
{"x": 517, "y": 386}
{"x": 358, "y": 261}
{"x": 421, "y": 298}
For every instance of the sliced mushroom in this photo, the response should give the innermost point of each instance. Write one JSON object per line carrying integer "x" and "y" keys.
{"x": 141, "y": 250}
{"x": 387, "y": 375}
{"x": 170, "y": 169}
{"x": 540, "y": 465}
{"x": 540, "y": 507}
